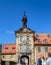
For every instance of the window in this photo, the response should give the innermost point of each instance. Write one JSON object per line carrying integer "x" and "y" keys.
{"x": 13, "y": 47}
{"x": 28, "y": 48}
{"x": 21, "y": 48}
{"x": 39, "y": 49}
{"x": 38, "y": 40}
{"x": 21, "y": 38}
{"x": 37, "y": 35}
{"x": 6, "y": 47}
{"x": 28, "y": 38}
{"x": 45, "y": 40}
{"x": 46, "y": 49}
{"x": 49, "y": 35}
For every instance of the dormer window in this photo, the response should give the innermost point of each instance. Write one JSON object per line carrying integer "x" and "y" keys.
{"x": 38, "y": 40}
{"x": 6, "y": 47}
{"x": 49, "y": 35}
{"x": 13, "y": 47}
{"x": 45, "y": 40}
{"x": 37, "y": 35}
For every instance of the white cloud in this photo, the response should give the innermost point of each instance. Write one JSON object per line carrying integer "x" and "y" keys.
{"x": 10, "y": 32}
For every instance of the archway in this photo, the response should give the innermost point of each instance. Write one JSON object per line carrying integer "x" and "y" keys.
{"x": 2, "y": 62}
{"x": 24, "y": 59}
{"x": 12, "y": 63}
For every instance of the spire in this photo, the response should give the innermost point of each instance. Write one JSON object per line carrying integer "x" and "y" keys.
{"x": 24, "y": 20}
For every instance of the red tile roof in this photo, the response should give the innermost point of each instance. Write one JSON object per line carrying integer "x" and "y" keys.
{"x": 9, "y": 49}
{"x": 43, "y": 38}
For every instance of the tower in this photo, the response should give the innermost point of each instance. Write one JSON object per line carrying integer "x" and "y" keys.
{"x": 25, "y": 43}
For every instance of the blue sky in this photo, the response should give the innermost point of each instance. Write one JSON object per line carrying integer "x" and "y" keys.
{"x": 11, "y": 11}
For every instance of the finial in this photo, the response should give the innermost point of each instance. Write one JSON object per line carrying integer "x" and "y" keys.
{"x": 24, "y": 20}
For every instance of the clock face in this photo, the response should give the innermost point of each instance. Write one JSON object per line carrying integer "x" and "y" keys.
{"x": 24, "y": 30}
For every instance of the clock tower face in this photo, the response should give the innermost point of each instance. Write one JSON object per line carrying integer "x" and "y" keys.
{"x": 24, "y": 30}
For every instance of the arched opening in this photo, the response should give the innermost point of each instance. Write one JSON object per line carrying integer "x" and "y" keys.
{"x": 24, "y": 60}
{"x": 12, "y": 63}
{"x": 2, "y": 62}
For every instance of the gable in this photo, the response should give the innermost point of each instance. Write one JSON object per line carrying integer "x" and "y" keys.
{"x": 25, "y": 30}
